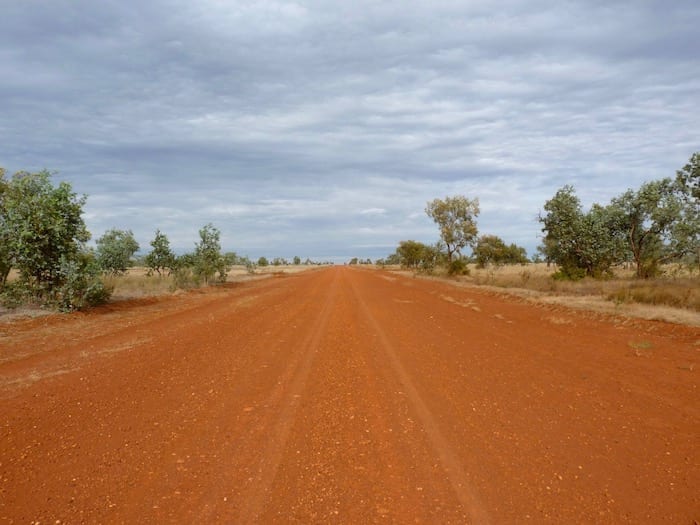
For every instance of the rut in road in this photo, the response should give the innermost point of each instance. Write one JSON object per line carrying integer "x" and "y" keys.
{"x": 297, "y": 373}
{"x": 463, "y": 487}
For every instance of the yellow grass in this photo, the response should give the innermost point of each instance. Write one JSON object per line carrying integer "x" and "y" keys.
{"x": 677, "y": 287}
{"x": 137, "y": 283}
{"x": 673, "y": 297}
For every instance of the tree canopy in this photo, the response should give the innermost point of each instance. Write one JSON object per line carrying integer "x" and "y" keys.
{"x": 657, "y": 223}
{"x": 456, "y": 219}
{"x": 42, "y": 225}
{"x": 491, "y": 249}
{"x": 661, "y": 223}
{"x": 115, "y": 249}
{"x": 42, "y": 234}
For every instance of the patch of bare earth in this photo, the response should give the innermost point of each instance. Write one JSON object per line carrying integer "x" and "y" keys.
{"x": 347, "y": 396}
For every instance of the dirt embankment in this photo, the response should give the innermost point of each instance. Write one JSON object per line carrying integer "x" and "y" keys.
{"x": 347, "y": 396}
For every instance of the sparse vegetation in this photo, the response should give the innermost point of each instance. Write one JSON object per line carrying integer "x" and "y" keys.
{"x": 678, "y": 288}
{"x": 655, "y": 230}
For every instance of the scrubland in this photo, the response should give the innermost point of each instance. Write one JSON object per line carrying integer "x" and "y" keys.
{"x": 674, "y": 296}
{"x": 137, "y": 283}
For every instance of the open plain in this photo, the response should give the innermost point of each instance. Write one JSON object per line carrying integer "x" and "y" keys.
{"x": 345, "y": 395}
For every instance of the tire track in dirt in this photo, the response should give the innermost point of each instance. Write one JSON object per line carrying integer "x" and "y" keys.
{"x": 459, "y": 479}
{"x": 258, "y": 490}
{"x": 241, "y": 421}
{"x": 188, "y": 396}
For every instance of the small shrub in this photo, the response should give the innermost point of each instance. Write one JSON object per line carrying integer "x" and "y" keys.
{"x": 15, "y": 294}
{"x": 185, "y": 278}
{"x": 458, "y": 267}
{"x": 569, "y": 273}
{"x": 81, "y": 286}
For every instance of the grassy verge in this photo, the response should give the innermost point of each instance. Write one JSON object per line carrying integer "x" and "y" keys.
{"x": 137, "y": 283}
{"x": 677, "y": 288}
{"x": 674, "y": 297}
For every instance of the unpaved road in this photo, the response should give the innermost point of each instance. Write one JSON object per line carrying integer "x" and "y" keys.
{"x": 347, "y": 396}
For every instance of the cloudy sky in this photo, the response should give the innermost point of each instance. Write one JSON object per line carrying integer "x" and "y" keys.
{"x": 322, "y": 128}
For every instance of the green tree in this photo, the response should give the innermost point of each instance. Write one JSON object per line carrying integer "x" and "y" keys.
{"x": 561, "y": 227}
{"x": 491, "y": 249}
{"x": 42, "y": 225}
{"x": 392, "y": 259}
{"x": 411, "y": 253}
{"x": 416, "y": 255}
{"x": 661, "y": 222}
{"x": 297, "y": 260}
{"x": 688, "y": 179}
{"x": 161, "y": 257}
{"x": 456, "y": 219}
{"x": 208, "y": 259}
{"x": 81, "y": 285}
{"x": 262, "y": 261}
{"x": 580, "y": 243}
{"x": 688, "y": 185}
{"x": 5, "y": 252}
{"x": 42, "y": 234}
{"x": 115, "y": 250}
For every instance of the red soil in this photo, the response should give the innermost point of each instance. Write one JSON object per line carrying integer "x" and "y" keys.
{"x": 347, "y": 396}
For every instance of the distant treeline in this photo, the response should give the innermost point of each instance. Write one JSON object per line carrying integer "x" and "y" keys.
{"x": 647, "y": 227}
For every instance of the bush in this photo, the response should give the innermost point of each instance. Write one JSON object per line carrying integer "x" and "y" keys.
{"x": 569, "y": 273}
{"x": 15, "y": 294}
{"x": 184, "y": 278}
{"x": 458, "y": 267}
{"x": 78, "y": 285}
{"x": 81, "y": 285}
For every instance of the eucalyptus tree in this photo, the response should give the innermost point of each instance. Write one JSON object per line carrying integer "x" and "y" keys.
{"x": 456, "y": 219}
{"x": 661, "y": 221}
{"x": 582, "y": 244}
{"x": 115, "y": 250}
{"x": 43, "y": 236}
{"x": 208, "y": 259}
{"x": 42, "y": 226}
{"x": 161, "y": 258}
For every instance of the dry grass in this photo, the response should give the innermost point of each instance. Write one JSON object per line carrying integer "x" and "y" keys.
{"x": 674, "y": 297}
{"x": 677, "y": 288}
{"x": 681, "y": 293}
{"x": 137, "y": 283}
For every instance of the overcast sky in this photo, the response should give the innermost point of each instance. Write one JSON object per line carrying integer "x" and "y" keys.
{"x": 322, "y": 128}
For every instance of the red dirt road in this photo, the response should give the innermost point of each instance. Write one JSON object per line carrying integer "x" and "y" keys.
{"x": 347, "y": 396}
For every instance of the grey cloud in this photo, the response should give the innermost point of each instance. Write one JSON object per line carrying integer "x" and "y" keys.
{"x": 282, "y": 121}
